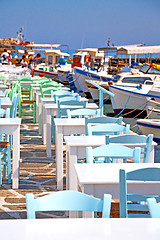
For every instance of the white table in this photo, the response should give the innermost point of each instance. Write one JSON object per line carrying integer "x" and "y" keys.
{"x": 76, "y": 149}
{"x": 12, "y": 126}
{"x": 50, "y": 110}
{"x": 97, "y": 179}
{"x": 81, "y": 229}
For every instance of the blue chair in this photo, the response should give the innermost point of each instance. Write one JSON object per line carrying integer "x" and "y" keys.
{"x": 154, "y": 207}
{"x": 82, "y": 113}
{"x": 101, "y": 120}
{"x": 124, "y": 139}
{"x": 111, "y": 152}
{"x": 67, "y": 201}
{"x": 135, "y": 202}
{"x": 107, "y": 129}
{"x": 62, "y": 93}
{"x": 71, "y": 103}
{"x": 14, "y": 106}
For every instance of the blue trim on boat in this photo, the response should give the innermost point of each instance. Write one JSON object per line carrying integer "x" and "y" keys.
{"x": 92, "y": 75}
{"x": 142, "y": 94}
{"x": 148, "y": 125}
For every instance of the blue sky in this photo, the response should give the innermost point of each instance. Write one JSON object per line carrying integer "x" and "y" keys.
{"x": 82, "y": 23}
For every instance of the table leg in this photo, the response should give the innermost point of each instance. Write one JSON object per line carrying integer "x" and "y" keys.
{"x": 44, "y": 122}
{"x": 16, "y": 157}
{"x": 47, "y": 134}
{"x": 59, "y": 157}
{"x": 71, "y": 174}
{"x": 151, "y": 158}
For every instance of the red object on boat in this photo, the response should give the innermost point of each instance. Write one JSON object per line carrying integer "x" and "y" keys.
{"x": 41, "y": 75}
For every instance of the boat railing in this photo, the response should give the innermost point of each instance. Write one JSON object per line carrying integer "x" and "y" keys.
{"x": 101, "y": 92}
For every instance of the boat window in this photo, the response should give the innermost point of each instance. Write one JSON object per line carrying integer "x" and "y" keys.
{"x": 145, "y": 68}
{"x": 50, "y": 60}
{"x": 116, "y": 78}
{"x": 138, "y": 80}
{"x": 153, "y": 71}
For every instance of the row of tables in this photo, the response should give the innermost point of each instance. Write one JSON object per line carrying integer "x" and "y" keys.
{"x": 11, "y": 126}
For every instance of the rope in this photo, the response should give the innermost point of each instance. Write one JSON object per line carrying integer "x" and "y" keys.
{"x": 124, "y": 105}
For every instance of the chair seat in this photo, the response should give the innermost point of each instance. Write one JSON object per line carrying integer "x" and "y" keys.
{"x": 4, "y": 144}
{"x": 25, "y": 93}
{"x": 28, "y": 101}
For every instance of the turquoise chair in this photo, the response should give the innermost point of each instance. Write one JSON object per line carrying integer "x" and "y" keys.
{"x": 62, "y": 93}
{"x": 135, "y": 202}
{"x": 111, "y": 152}
{"x": 101, "y": 120}
{"x": 154, "y": 207}
{"x": 14, "y": 106}
{"x": 81, "y": 113}
{"x": 71, "y": 103}
{"x": 124, "y": 139}
{"x": 67, "y": 201}
{"x": 107, "y": 129}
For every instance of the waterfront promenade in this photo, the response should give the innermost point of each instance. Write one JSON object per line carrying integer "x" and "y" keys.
{"x": 37, "y": 175}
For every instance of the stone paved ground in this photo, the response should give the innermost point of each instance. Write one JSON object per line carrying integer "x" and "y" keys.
{"x": 37, "y": 175}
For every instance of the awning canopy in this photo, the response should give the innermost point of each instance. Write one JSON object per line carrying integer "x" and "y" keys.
{"x": 138, "y": 50}
{"x": 46, "y": 45}
{"x": 56, "y": 51}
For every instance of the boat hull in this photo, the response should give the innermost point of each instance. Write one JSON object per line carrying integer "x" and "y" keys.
{"x": 52, "y": 75}
{"x": 148, "y": 126}
{"x": 128, "y": 103}
{"x": 81, "y": 75}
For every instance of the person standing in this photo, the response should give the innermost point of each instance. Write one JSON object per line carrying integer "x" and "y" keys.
{"x": 4, "y": 57}
{"x": 33, "y": 62}
{"x": 9, "y": 57}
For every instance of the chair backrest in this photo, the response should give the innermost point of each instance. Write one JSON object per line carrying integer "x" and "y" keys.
{"x": 81, "y": 113}
{"x": 67, "y": 201}
{"x": 101, "y": 120}
{"x": 62, "y": 93}
{"x": 45, "y": 91}
{"x": 154, "y": 207}
{"x": 107, "y": 129}
{"x": 69, "y": 103}
{"x": 25, "y": 79}
{"x": 129, "y": 138}
{"x": 134, "y": 202}
{"x": 111, "y": 152}
{"x": 5, "y": 112}
{"x": 14, "y": 106}
{"x": 49, "y": 84}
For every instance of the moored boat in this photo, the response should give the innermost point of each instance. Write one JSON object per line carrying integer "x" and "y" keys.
{"x": 150, "y": 126}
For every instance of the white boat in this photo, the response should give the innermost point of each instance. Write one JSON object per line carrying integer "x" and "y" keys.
{"x": 153, "y": 109}
{"x": 150, "y": 126}
{"x": 132, "y": 91}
